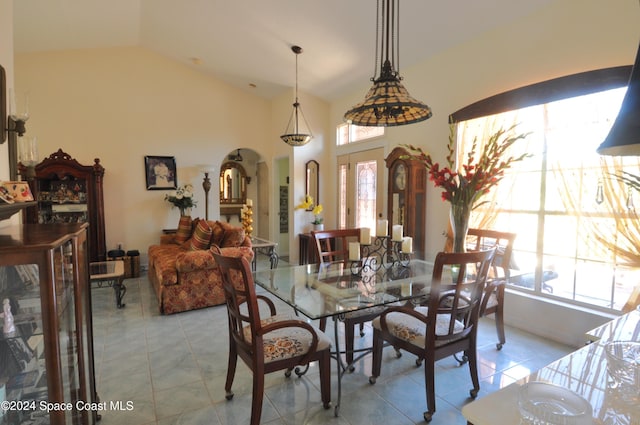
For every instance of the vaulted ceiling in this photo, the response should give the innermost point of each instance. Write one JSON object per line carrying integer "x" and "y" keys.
{"x": 247, "y": 42}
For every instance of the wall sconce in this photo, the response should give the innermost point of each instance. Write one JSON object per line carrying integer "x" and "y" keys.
{"x": 18, "y": 111}
{"x": 28, "y": 155}
{"x": 14, "y": 120}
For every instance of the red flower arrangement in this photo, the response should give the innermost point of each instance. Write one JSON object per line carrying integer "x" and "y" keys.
{"x": 474, "y": 178}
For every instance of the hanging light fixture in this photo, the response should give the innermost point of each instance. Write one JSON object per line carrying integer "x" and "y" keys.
{"x": 237, "y": 157}
{"x": 292, "y": 134}
{"x": 624, "y": 137}
{"x": 388, "y": 102}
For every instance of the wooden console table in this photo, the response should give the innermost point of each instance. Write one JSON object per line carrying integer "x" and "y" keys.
{"x": 306, "y": 251}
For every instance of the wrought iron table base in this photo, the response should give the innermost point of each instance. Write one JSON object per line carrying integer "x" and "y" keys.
{"x": 118, "y": 288}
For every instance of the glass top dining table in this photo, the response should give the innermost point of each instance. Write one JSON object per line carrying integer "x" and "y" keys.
{"x": 333, "y": 289}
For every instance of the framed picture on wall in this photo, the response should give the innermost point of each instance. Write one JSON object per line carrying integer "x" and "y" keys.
{"x": 160, "y": 172}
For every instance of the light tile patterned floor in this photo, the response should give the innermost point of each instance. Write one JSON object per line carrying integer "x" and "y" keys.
{"x": 173, "y": 369}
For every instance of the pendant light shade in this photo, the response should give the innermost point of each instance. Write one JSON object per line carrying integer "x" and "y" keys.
{"x": 388, "y": 102}
{"x": 624, "y": 137}
{"x": 293, "y": 135}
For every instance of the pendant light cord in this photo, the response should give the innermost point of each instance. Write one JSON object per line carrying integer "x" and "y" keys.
{"x": 378, "y": 65}
{"x": 295, "y": 105}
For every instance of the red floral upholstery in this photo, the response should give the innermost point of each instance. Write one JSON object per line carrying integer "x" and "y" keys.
{"x": 186, "y": 280}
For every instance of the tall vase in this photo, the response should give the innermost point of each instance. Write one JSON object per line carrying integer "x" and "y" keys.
{"x": 185, "y": 211}
{"x": 459, "y": 216}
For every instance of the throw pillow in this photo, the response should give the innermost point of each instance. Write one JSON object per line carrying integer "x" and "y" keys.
{"x": 194, "y": 224}
{"x": 201, "y": 237}
{"x": 233, "y": 237}
{"x": 218, "y": 233}
{"x": 184, "y": 229}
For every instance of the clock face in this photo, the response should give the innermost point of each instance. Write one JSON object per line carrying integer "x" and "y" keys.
{"x": 400, "y": 177}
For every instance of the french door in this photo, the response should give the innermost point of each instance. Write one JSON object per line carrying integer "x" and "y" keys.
{"x": 361, "y": 188}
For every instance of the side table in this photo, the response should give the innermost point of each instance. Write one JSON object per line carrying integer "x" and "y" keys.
{"x": 265, "y": 247}
{"x": 110, "y": 273}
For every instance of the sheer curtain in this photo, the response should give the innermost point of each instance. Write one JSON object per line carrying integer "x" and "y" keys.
{"x": 607, "y": 222}
{"x": 564, "y": 177}
{"x": 481, "y": 129}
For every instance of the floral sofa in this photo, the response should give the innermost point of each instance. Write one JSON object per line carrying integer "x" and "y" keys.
{"x": 182, "y": 270}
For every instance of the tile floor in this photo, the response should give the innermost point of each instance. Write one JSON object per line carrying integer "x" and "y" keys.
{"x": 173, "y": 368}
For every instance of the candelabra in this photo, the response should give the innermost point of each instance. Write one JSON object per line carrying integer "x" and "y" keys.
{"x": 247, "y": 219}
{"x": 385, "y": 252}
{"x": 381, "y": 253}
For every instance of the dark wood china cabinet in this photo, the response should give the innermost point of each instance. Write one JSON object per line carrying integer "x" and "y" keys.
{"x": 69, "y": 192}
{"x": 407, "y": 197}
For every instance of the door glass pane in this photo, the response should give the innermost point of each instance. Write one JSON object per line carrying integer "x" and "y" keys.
{"x": 366, "y": 194}
{"x": 343, "y": 176}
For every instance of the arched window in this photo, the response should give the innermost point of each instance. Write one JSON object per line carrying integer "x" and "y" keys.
{"x": 578, "y": 230}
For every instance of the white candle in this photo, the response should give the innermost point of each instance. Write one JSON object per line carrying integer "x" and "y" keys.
{"x": 354, "y": 251}
{"x": 396, "y": 232}
{"x": 365, "y": 236}
{"x": 407, "y": 244}
{"x": 249, "y": 202}
{"x": 381, "y": 229}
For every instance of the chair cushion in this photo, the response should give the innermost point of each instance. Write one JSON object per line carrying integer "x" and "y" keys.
{"x": 287, "y": 342}
{"x": 412, "y": 330}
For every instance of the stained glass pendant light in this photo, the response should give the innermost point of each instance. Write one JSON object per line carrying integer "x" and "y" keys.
{"x": 388, "y": 102}
{"x": 292, "y": 134}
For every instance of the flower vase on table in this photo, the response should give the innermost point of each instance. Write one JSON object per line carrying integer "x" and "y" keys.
{"x": 465, "y": 184}
{"x": 185, "y": 212}
{"x": 316, "y": 209}
{"x": 460, "y": 213}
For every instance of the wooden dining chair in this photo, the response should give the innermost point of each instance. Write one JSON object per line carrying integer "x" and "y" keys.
{"x": 446, "y": 326}
{"x": 277, "y": 342}
{"x": 332, "y": 246}
{"x": 493, "y": 298}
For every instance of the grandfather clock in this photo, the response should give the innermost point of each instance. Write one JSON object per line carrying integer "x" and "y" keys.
{"x": 407, "y": 197}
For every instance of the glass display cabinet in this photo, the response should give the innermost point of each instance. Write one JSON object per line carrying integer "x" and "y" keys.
{"x": 46, "y": 343}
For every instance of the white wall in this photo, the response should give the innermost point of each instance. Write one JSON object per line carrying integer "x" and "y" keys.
{"x": 124, "y": 103}
{"x": 6, "y": 60}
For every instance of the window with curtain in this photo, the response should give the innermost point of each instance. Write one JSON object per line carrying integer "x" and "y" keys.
{"x": 577, "y": 226}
